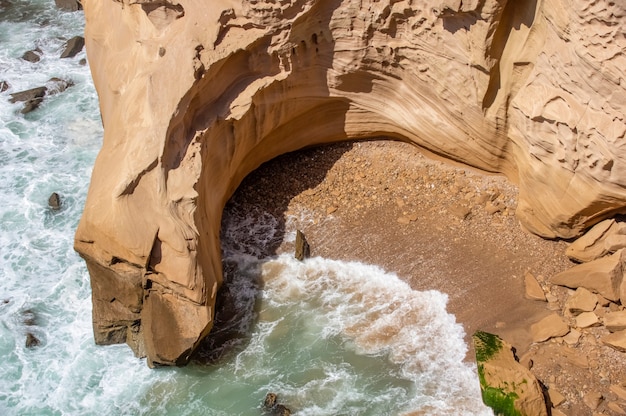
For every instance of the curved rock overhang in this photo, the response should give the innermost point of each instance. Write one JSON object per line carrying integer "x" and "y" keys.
{"x": 195, "y": 97}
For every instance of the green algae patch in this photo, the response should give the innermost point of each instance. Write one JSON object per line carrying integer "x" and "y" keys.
{"x": 486, "y": 345}
{"x": 501, "y": 402}
{"x": 507, "y": 387}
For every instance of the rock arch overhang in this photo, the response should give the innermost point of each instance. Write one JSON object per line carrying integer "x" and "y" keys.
{"x": 193, "y": 98}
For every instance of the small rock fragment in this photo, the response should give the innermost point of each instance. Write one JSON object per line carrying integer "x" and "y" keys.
{"x": 54, "y": 201}
{"x": 69, "y": 5}
{"x": 593, "y": 399}
{"x": 32, "y": 56}
{"x": 581, "y": 301}
{"x": 492, "y": 208}
{"x": 403, "y": 220}
{"x": 587, "y": 319}
{"x": 303, "y": 250}
{"x": 615, "y": 321}
{"x": 572, "y": 337}
{"x": 549, "y": 327}
{"x": 534, "y": 290}
{"x": 556, "y": 398}
{"x": 4, "y": 86}
{"x": 31, "y": 340}
{"x": 73, "y": 47}
{"x": 616, "y": 340}
{"x": 460, "y": 211}
{"x": 271, "y": 404}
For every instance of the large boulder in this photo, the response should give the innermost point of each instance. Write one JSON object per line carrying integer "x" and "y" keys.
{"x": 196, "y": 96}
{"x": 603, "y": 276}
{"x": 508, "y": 387}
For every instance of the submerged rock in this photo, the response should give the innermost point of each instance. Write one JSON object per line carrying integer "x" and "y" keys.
{"x": 31, "y": 340}
{"x": 57, "y": 85}
{"x": 32, "y": 56}
{"x": 271, "y": 404}
{"x": 508, "y": 387}
{"x": 54, "y": 201}
{"x": 270, "y": 400}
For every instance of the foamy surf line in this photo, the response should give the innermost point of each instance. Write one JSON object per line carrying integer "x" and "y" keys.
{"x": 375, "y": 314}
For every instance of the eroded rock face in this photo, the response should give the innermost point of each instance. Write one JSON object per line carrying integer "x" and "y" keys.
{"x": 193, "y": 98}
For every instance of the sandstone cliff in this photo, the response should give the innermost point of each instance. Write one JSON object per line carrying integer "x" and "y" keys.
{"x": 195, "y": 96}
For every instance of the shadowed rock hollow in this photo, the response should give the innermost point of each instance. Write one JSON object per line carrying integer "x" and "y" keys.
{"x": 195, "y": 97}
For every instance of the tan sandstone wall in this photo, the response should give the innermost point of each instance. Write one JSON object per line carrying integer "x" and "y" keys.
{"x": 195, "y": 95}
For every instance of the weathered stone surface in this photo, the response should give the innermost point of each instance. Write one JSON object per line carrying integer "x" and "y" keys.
{"x": 28, "y": 95}
{"x": 572, "y": 337}
{"x": 32, "y": 56}
{"x": 303, "y": 250}
{"x": 581, "y": 301}
{"x": 35, "y": 96}
{"x": 549, "y": 327}
{"x": 193, "y": 98}
{"x": 31, "y": 340}
{"x": 615, "y": 321}
{"x": 69, "y": 5}
{"x": 54, "y": 201}
{"x": 592, "y": 399}
{"x": 604, "y": 238}
{"x": 73, "y": 47}
{"x": 616, "y": 340}
{"x": 556, "y": 398}
{"x": 534, "y": 290}
{"x": 614, "y": 407}
{"x": 506, "y": 385}
{"x": 587, "y": 319}
{"x": 603, "y": 276}
{"x": 57, "y": 85}
{"x": 271, "y": 404}
{"x": 4, "y": 86}
{"x": 619, "y": 391}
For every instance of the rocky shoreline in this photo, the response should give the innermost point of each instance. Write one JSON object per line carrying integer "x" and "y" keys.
{"x": 453, "y": 229}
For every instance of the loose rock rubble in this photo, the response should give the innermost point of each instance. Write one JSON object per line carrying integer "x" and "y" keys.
{"x": 453, "y": 229}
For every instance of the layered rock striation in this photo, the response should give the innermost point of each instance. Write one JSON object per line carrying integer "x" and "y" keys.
{"x": 194, "y": 97}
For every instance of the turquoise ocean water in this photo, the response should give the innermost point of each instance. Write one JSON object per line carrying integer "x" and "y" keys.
{"x": 329, "y": 337}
